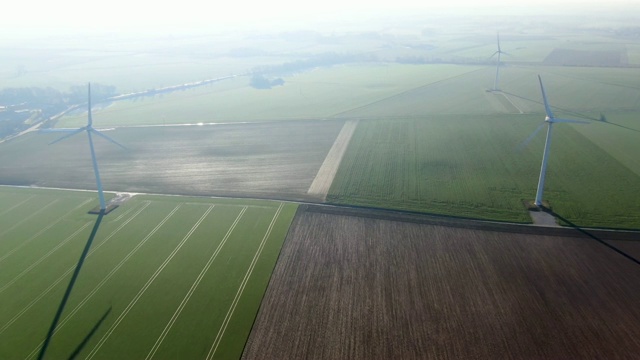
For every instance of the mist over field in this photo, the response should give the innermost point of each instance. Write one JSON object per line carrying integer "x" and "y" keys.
{"x": 67, "y": 43}
{"x": 149, "y": 17}
{"x": 247, "y": 62}
{"x": 339, "y": 179}
{"x": 385, "y": 63}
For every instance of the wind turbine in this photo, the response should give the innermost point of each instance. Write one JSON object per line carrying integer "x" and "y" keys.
{"x": 549, "y": 120}
{"x": 90, "y": 130}
{"x": 499, "y": 52}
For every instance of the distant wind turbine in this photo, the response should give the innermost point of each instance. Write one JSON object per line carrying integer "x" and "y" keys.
{"x": 549, "y": 120}
{"x": 499, "y": 52}
{"x": 90, "y": 130}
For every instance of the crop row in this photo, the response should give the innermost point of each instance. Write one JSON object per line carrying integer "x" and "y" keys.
{"x": 165, "y": 277}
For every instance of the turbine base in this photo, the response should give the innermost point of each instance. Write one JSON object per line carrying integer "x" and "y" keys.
{"x": 531, "y": 206}
{"x": 96, "y": 210}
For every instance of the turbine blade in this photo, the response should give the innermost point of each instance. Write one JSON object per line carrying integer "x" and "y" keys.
{"x": 107, "y": 138}
{"x": 547, "y": 108}
{"x": 77, "y": 131}
{"x": 498, "y": 35}
{"x": 526, "y": 142}
{"x": 570, "y": 121}
{"x": 60, "y": 130}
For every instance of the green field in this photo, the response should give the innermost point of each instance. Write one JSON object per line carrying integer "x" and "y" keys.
{"x": 377, "y": 91}
{"x": 619, "y": 137}
{"x": 573, "y": 90}
{"x": 433, "y": 139}
{"x": 170, "y": 277}
{"x": 322, "y": 93}
{"x": 449, "y": 147}
{"x": 471, "y": 167}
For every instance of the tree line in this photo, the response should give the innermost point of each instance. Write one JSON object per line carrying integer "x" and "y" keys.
{"x": 17, "y": 105}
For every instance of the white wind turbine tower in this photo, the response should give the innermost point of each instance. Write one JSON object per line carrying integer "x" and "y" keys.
{"x": 549, "y": 120}
{"x": 90, "y": 130}
{"x": 499, "y": 52}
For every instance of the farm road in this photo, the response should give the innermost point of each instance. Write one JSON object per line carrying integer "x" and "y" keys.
{"x": 356, "y": 285}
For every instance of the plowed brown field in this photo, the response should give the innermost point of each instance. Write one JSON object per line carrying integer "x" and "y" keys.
{"x": 359, "y": 286}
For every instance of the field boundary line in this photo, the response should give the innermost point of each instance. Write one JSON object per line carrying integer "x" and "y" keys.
{"x": 329, "y": 168}
{"x": 195, "y": 284}
{"x": 24, "y": 243}
{"x": 227, "y": 319}
{"x": 197, "y": 203}
{"x": 55, "y": 283}
{"x": 461, "y": 222}
{"x": 253, "y": 206}
{"x": 44, "y": 257}
{"x": 124, "y": 214}
{"x": 146, "y": 286}
{"x": 29, "y": 217}
{"x": 16, "y": 205}
{"x": 437, "y": 82}
{"x": 511, "y": 102}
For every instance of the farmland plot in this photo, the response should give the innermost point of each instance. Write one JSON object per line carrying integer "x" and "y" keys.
{"x": 455, "y": 94}
{"x": 165, "y": 277}
{"x": 362, "y": 287}
{"x": 571, "y": 57}
{"x": 619, "y": 136}
{"x": 573, "y": 91}
{"x": 471, "y": 167}
{"x": 321, "y": 93}
{"x": 262, "y": 160}
{"x": 569, "y": 89}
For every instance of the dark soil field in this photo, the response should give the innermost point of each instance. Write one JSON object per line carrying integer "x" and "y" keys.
{"x": 358, "y": 284}
{"x": 277, "y": 159}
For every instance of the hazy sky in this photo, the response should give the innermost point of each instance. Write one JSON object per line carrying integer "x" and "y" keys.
{"x": 146, "y": 14}
{"x": 74, "y": 13}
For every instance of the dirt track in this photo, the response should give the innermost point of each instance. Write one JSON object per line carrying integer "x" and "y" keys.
{"x": 322, "y": 182}
{"x": 357, "y": 284}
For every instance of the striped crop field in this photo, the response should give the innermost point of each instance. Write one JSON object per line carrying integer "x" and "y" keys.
{"x": 166, "y": 277}
{"x": 472, "y": 167}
